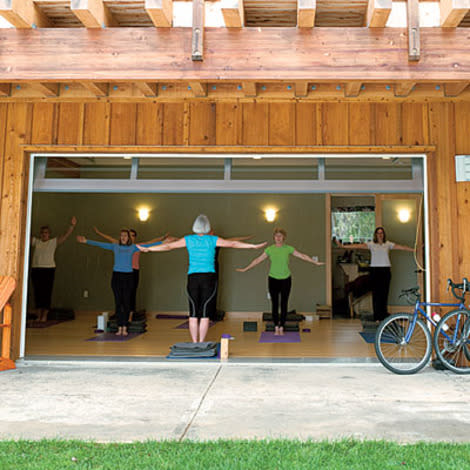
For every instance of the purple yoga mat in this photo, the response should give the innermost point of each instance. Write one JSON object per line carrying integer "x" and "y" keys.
{"x": 167, "y": 316}
{"x": 288, "y": 337}
{"x": 185, "y": 325}
{"x": 111, "y": 337}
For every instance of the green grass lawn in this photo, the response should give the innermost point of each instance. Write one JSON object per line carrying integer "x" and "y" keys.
{"x": 233, "y": 455}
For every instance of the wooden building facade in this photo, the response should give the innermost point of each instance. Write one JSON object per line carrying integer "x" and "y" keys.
{"x": 262, "y": 90}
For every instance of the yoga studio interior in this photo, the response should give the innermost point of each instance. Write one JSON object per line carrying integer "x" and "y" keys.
{"x": 315, "y": 198}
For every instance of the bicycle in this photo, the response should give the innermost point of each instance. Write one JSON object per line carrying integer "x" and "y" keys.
{"x": 403, "y": 341}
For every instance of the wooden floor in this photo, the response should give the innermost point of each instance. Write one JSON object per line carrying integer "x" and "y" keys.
{"x": 327, "y": 339}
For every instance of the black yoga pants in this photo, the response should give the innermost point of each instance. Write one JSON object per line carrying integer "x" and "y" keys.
{"x": 279, "y": 287}
{"x": 202, "y": 289}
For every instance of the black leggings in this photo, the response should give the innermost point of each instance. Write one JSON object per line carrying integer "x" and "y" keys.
{"x": 43, "y": 282}
{"x": 380, "y": 278}
{"x": 135, "y": 277}
{"x": 282, "y": 287}
{"x": 201, "y": 288}
{"x": 122, "y": 285}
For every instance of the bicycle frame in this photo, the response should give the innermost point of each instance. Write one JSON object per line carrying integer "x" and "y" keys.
{"x": 419, "y": 310}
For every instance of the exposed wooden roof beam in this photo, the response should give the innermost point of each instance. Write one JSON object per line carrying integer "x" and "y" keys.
{"x": 404, "y": 88}
{"x": 160, "y": 12}
{"x": 147, "y": 88}
{"x": 46, "y": 89}
{"x": 306, "y": 13}
{"x": 92, "y": 13}
{"x": 352, "y": 89}
{"x": 453, "y": 12}
{"x": 378, "y": 12}
{"x": 199, "y": 89}
{"x": 454, "y": 89}
{"x": 56, "y": 55}
{"x": 197, "y": 42}
{"x": 5, "y": 89}
{"x": 301, "y": 89}
{"x": 249, "y": 88}
{"x": 100, "y": 90}
{"x": 23, "y": 14}
{"x": 234, "y": 13}
{"x": 414, "y": 43}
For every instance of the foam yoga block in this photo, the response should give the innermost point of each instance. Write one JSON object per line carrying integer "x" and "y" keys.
{"x": 250, "y": 326}
{"x": 289, "y": 326}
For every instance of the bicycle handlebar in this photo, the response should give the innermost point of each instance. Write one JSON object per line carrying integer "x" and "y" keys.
{"x": 463, "y": 286}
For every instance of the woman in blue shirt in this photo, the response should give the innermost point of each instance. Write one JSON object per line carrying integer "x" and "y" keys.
{"x": 202, "y": 278}
{"x": 122, "y": 281}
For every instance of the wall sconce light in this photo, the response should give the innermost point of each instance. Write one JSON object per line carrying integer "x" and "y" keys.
{"x": 143, "y": 214}
{"x": 270, "y": 214}
{"x": 404, "y": 215}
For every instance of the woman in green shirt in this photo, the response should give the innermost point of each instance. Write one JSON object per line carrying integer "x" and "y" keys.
{"x": 279, "y": 280}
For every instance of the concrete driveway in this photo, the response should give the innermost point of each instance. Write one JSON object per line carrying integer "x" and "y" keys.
{"x": 109, "y": 401}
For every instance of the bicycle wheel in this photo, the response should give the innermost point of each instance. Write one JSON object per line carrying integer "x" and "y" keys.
{"x": 452, "y": 341}
{"x": 402, "y": 346}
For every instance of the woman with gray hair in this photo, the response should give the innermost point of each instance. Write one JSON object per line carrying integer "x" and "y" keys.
{"x": 202, "y": 278}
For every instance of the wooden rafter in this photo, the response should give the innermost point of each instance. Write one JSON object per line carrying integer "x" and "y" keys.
{"x": 46, "y": 89}
{"x": 352, "y": 89}
{"x": 249, "y": 88}
{"x": 454, "y": 89}
{"x": 23, "y": 14}
{"x": 92, "y": 13}
{"x": 404, "y": 88}
{"x": 5, "y": 89}
{"x": 234, "y": 13}
{"x": 306, "y": 13}
{"x": 147, "y": 88}
{"x": 301, "y": 88}
{"x": 198, "y": 89}
{"x": 378, "y": 12}
{"x": 453, "y": 12}
{"x": 414, "y": 42}
{"x": 197, "y": 43}
{"x": 160, "y": 12}
{"x": 100, "y": 90}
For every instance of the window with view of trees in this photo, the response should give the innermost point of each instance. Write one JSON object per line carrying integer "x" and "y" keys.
{"x": 353, "y": 226}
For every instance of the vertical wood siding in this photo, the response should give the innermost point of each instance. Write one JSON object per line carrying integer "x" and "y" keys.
{"x": 444, "y": 125}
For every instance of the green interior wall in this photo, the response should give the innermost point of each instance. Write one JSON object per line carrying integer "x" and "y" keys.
{"x": 403, "y": 263}
{"x": 163, "y": 275}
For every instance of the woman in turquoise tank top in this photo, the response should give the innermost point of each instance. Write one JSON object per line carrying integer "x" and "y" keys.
{"x": 279, "y": 280}
{"x": 202, "y": 278}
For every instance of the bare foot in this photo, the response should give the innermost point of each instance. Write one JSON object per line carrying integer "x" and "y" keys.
{"x": 119, "y": 331}
{"x": 281, "y": 331}
{"x": 276, "y": 331}
{"x": 124, "y": 332}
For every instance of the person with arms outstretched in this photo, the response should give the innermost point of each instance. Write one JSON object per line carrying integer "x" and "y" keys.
{"x": 279, "y": 279}
{"x": 202, "y": 278}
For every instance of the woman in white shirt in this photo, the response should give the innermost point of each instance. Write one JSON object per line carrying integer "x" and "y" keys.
{"x": 43, "y": 267}
{"x": 379, "y": 268}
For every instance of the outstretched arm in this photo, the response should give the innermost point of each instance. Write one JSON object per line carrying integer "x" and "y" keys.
{"x": 306, "y": 258}
{"x": 106, "y": 246}
{"x": 236, "y": 244}
{"x": 163, "y": 239}
{"x": 106, "y": 237}
{"x": 181, "y": 243}
{"x": 256, "y": 261}
{"x": 402, "y": 247}
{"x": 66, "y": 235}
{"x": 352, "y": 246}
